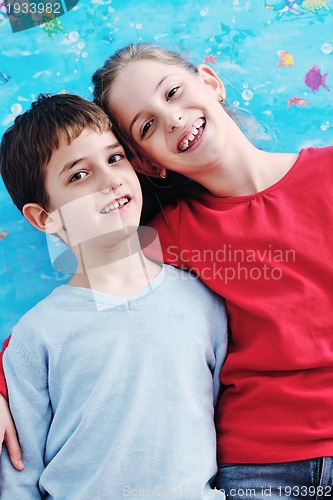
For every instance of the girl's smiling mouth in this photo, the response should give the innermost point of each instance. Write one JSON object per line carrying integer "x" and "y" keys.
{"x": 191, "y": 137}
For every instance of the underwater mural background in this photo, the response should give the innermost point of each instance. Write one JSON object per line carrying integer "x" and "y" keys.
{"x": 275, "y": 57}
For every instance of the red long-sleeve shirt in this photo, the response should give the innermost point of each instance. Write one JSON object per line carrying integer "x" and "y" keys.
{"x": 3, "y": 386}
{"x": 271, "y": 256}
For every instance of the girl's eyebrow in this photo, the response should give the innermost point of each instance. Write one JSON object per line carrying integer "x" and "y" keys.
{"x": 156, "y": 88}
{"x": 69, "y": 165}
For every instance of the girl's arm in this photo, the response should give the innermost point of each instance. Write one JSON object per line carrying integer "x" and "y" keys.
{"x": 7, "y": 427}
{"x": 9, "y": 436}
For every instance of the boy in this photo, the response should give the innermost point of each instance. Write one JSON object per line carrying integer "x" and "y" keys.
{"x": 110, "y": 384}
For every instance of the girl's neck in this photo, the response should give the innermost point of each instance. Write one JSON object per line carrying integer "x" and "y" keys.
{"x": 247, "y": 170}
{"x": 121, "y": 271}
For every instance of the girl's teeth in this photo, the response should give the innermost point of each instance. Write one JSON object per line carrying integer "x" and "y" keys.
{"x": 194, "y": 131}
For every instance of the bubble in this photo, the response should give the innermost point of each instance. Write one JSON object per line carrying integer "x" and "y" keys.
{"x": 245, "y": 86}
{"x": 236, "y": 104}
{"x": 84, "y": 54}
{"x": 327, "y": 48}
{"x": 323, "y": 127}
{"x": 138, "y": 26}
{"x": 16, "y": 109}
{"x": 73, "y": 36}
{"x": 81, "y": 45}
{"x": 247, "y": 95}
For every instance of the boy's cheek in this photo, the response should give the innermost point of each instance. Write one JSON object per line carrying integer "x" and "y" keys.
{"x": 82, "y": 221}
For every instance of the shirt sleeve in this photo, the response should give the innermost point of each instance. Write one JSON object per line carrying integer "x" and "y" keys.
{"x": 30, "y": 406}
{"x": 221, "y": 342}
{"x": 3, "y": 386}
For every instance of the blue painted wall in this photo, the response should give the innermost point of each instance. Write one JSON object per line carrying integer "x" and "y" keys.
{"x": 271, "y": 54}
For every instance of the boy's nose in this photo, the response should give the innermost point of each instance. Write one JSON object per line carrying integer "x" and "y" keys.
{"x": 110, "y": 181}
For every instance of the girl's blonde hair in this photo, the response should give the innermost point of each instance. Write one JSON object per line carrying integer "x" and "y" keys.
{"x": 104, "y": 78}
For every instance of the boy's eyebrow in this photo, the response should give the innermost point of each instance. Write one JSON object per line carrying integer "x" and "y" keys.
{"x": 156, "y": 88}
{"x": 72, "y": 164}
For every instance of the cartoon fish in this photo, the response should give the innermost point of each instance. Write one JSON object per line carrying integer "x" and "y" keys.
{"x": 314, "y": 5}
{"x": 4, "y": 78}
{"x": 53, "y": 26}
{"x": 299, "y": 101}
{"x": 285, "y": 58}
{"x": 284, "y": 6}
{"x": 108, "y": 40}
{"x": 3, "y": 234}
{"x": 3, "y": 20}
{"x": 210, "y": 59}
{"x": 313, "y": 79}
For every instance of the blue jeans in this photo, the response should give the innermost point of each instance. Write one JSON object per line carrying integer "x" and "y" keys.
{"x": 306, "y": 479}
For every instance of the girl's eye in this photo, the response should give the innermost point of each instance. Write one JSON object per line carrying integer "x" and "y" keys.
{"x": 115, "y": 158}
{"x": 172, "y": 93}
{"x": 146, "y": 128}
{"x": 77, "y": 176}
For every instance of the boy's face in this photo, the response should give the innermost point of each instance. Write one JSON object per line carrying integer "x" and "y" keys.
{"x": 93, "y": 189}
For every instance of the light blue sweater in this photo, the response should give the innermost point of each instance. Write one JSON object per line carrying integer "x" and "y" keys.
{"x": 113, "y": 398}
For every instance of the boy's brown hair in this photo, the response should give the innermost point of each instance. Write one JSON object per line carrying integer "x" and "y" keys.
{"x": 27, "y": 146}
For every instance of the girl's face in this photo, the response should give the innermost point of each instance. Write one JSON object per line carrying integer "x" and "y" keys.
{"x": 173, "y": 115}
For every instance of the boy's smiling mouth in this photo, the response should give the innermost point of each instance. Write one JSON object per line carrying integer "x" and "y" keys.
{"x": 192, "y": 136}
{"x": 115, "y": 205}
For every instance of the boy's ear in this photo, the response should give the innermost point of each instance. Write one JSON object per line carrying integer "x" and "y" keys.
{"x": 41, "y": 219}
{"x": 208, "y": 76}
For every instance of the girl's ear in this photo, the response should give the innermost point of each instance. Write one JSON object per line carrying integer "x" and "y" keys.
{"x": 41, "y": 219}
{"x": 208, "y": 76}
{"x": 150, "y": 168}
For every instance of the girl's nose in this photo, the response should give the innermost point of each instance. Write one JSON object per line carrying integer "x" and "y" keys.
{"x": 174, "y": 121}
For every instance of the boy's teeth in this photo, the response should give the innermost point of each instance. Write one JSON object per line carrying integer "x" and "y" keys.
{"x": 114, "y": 205}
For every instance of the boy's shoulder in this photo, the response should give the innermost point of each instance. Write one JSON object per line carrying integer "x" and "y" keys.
{"x": 47, "y": 313}
{"x": 183, "y": 281}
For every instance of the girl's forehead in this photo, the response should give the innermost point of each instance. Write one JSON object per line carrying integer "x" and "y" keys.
{"x": 150, "y": 68}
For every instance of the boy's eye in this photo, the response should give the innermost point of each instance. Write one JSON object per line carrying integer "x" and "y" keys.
{"x": 115, "y": 158}
{"x": 172, "y": 93}
{"x": 146, "y": 128}
{"x": 77, "y": 176}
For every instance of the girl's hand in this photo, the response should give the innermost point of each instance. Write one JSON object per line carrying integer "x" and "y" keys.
{"x": 9, "y": 436}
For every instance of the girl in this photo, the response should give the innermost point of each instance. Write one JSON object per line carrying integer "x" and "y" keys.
{"x": 260, "y": 235}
